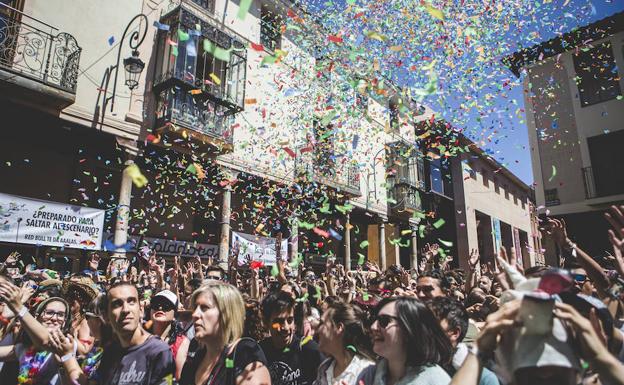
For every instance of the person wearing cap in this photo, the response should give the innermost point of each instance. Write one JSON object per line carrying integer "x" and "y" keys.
{"x": 163, "y": 323}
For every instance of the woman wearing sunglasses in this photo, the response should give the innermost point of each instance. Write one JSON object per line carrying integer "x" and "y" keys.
{"x": 163, "y": 311}
{"x": 45, "y": 353}
{"x": 412, "y": 345}
{"x": 342, "y": 337}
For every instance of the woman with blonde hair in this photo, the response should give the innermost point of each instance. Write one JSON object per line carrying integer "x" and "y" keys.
{"x": 218, "y": 355}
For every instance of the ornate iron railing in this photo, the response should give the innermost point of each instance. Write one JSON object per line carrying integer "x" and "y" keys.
{"x": 406, "y": 197}
{"x": 195, "y": 113}
{"x": 318, "y": 167}
{"x": 31, "y": 48}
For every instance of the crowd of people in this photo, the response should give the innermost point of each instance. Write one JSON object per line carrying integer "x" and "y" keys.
{"x": 195, "y": 323}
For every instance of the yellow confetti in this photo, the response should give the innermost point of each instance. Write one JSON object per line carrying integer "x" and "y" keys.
{"x": 396, "y": 48}
{"x": 215, "y": 79}
{"x": 134, "y": 172}
{"x": 305, "y": 340}
{"x": 434, "y": 11}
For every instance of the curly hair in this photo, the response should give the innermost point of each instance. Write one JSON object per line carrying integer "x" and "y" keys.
{"x": 254, "y": 327}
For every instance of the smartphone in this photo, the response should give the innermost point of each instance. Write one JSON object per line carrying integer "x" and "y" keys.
{"x": 536, "y": 314}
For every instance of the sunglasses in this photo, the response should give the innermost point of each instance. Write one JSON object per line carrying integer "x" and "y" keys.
{"x": 384, "y": 319}
{"x": 162, "y": 306}
{"x": 580, "y": 278}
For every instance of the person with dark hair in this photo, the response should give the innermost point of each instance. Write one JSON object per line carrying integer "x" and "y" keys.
{"x": 454, "y": 321}
{"x": 215, "y": 272}
{"x": 413, "y": 347}
{"x": 136, "y": 357}
{"x": 431, "y": 284}
{"x": 343, "y": 337}
{"x": 292, "y": 360}
{"x": 163, "y": 323}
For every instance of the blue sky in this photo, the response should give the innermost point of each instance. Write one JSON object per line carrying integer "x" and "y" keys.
{"x": 512, "y": 148}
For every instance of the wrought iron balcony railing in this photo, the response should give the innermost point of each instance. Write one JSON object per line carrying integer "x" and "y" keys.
{"x": 603, "y": 182}
{"x": 36, "y": 50}
{"x": 193, "y": 112}
{"x": 319, "y": 168}
{"x": 406, "y": 198}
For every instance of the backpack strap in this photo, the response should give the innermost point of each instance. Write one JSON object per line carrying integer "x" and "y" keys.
{"x": 230, "y": 360}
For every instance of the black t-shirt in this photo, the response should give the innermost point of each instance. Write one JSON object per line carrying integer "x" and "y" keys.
{"x": 296, "y": 365}
{"x": 246, "y": 352}
{"x": 145, "y": 364}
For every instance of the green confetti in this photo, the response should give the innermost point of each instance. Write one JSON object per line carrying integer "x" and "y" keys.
{"x": 318, "y": 293}
{"x": 352, "y": 348}
{"x": 269, "y": 59}
{"x": 446, "y": 243}
{"x": 243, "y": 9}
{"x": 286, "y": 350}
{"x": 306, "y": 225}
{"x": 182, "y": 36}
{"x": 274, "y": 271}
{"x": 174, "y": 50}
{"x": 554, "y": 173}
{"x": 302, "y": 298}
{"x": 216, "y": 51}
{"x": 363, "y": 244}
{"x": 365, "y": 297}
{"x": 328, "y": 117}
{"x": 439, "y": 223}
{"x": 229, "y": 363}
{"x": 361, "y": 258}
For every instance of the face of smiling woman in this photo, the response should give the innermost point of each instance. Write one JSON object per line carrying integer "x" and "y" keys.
{"x": 388, "y": 337}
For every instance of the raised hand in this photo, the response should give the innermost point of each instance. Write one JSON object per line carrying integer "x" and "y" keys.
{"x": 12, "y": 258}
{"x": 615, "y": 216}
{"x": 556, "y": 229}
{"x": 61, "y": 344}
{"x": 473, "y": 260}
{"x": 12, "y": 295}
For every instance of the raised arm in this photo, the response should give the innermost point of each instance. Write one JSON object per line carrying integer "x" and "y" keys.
{"x": 12, "y": 296}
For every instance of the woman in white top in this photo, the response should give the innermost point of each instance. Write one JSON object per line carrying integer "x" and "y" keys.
{"x": 411, "y": 343}
{"x": 343, "y": 337}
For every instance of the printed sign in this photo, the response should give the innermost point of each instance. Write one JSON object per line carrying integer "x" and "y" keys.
{"x": 249, "y": 247}
{"x": 166, "y": 247}
{"x": 32, "y": 221}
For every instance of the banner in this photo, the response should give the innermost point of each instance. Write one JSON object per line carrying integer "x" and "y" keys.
{"x": 166, "y": 247}
{"x": 518, "y": 247}
{"x": 496, "y": 233}
{"x": 36, "y": 222}
{"x": 247, "y": 247}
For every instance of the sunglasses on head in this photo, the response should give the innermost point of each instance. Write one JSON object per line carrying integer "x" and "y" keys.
{"x": 384, "y": 319}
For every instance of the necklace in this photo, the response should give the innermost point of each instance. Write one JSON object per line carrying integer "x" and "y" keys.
{"x": 33, "y": 362}
{"x": 91, "y": 362}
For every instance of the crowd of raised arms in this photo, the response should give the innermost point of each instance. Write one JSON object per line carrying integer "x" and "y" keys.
{"x": 197, "y": 323}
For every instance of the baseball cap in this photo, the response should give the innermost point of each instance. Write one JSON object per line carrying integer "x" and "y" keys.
{"x": 169, "y": 296}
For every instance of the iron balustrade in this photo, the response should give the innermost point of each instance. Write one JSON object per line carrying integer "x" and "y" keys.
{"x": 318, "y": 166}
{"x": 406, "y": 197}
{"x": 194, "y": 112}
{"x": 270, "y": 36}
{"x": 34, "y": 49}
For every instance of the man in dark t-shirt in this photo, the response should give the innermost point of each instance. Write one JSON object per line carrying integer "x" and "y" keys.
{"x": 139, "y": 358}
{"x": 292, "y": 360}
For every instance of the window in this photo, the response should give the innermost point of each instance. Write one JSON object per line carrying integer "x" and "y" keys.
{"x": 486, "y": 181}
{"x": 523, "y": 203}
{"x": 440, "y": 177}
{"x": 208, "y": 5}
{"x": 270, "y": 29}
{"x": 597, "y": 75}
{"x": 394, "y": 116}
{"x": 551, "y": 196}
{"x": 469, "y": 170}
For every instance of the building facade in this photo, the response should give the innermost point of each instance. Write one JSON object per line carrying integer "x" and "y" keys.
{"x": 231, "y": 129}
{"x": 573, "y": 104}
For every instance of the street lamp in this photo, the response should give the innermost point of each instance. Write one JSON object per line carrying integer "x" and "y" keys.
{"x": 133, "y": 66}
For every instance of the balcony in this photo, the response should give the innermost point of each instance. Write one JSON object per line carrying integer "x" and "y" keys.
{"x": 320, "y": 167}
{"x": 208, "y": 62}
{"x": 406, "y": 198}
{"x": 179, "y": 109}
{"x": 38, "y": 64}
